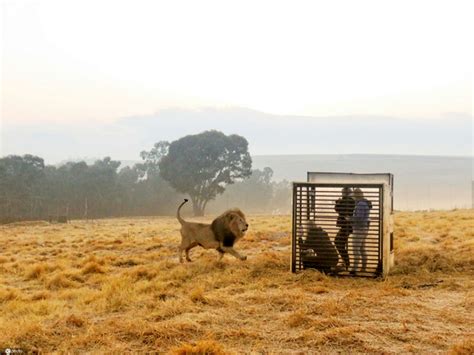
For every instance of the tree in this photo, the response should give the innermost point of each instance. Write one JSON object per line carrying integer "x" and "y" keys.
{"x": 150, "y": 166}
{"x": 31, "y": 190}
{"x": 202, "y": 165}
{"x": 282, "y": 194}
{"x": 102, "y": 181}
{"x": 20, "y": 177}
{"x": 154, "y": 192}
{"x": 253, "y": 194}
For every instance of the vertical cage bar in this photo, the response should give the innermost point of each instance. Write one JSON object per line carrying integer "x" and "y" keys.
{"x": 312, "y": 207}
{"x": 293, "y": 234}
{"x": 381, "y": 229}
{"x": 300, "y": 218}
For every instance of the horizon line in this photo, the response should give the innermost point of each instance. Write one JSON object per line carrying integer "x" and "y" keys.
{"x": 302, "y": 154}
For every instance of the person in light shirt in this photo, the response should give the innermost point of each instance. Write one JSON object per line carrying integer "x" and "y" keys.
{"x": 360, "y": 225}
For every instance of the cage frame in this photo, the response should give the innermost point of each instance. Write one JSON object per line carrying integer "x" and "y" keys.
{"x": 383, "y": 184}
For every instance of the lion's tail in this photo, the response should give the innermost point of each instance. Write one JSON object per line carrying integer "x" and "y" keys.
{"x": 178, "y": 215}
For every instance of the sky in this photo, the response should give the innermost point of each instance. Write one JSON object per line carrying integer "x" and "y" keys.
{"x": 85, "y": 64}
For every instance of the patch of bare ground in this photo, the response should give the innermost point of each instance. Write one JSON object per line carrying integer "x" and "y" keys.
{"x": 116, "y": 286}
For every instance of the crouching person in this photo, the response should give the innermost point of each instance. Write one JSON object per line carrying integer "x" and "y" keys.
{"x": 317, "y": 250}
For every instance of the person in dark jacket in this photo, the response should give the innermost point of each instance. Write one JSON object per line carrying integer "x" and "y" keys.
{"x": 317, "y": 250}
{"x": 360, "y": 223}
{"x": 345, "y": 209}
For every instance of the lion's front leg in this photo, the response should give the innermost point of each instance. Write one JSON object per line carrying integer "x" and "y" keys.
{"x": 221, "y": 253}
{"x": 233, "y": 252}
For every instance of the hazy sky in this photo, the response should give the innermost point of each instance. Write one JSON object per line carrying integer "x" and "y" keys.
{"x": 98, "y": 60}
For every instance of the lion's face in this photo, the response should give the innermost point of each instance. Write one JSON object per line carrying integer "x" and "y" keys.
{"x": 238, "y": 224}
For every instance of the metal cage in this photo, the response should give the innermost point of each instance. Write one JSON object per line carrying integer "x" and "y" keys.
{"x": 328, "y": 236}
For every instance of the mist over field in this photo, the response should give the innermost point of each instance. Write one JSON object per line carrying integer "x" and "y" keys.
{"x": 268, "y": 134}
{"x": 420, "y": 182}
{"x": 430, "y": 158}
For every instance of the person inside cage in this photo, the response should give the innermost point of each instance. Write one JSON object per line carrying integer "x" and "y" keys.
{"x": 360, "y": 225}
{"x": 317, "y": 250}
{"x": 345, "y": 208}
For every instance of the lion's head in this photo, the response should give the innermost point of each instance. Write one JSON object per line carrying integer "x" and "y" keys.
{"x": 232, "y": 220}
{"x": 237, "y": 223}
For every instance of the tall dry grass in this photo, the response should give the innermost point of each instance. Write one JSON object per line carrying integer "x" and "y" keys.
{"x": 116, "y": 286}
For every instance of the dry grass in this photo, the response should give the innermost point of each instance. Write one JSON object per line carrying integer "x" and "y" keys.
{"x": 116, "y": 286}
{"x": 208, "y": 347}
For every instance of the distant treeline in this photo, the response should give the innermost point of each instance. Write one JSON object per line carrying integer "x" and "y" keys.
{"x": 31, "y": 190}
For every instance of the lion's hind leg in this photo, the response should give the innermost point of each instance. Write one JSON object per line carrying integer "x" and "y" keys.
{"x": 180, "y": 253}
{"x": 188, "y": 248}
{"x": 183, "y": 247}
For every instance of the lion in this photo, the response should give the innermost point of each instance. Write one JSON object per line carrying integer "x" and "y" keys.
{"x": 221, "y": 234}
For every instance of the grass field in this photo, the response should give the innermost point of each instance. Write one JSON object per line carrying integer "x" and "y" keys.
{"x": 116, "y": 285}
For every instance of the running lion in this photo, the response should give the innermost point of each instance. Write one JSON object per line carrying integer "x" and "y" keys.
{"x": 221, "y": 234}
